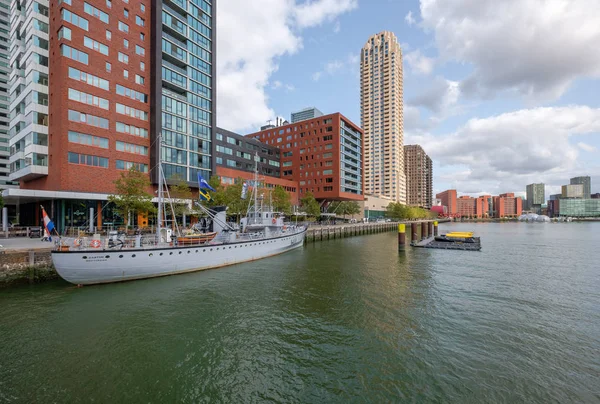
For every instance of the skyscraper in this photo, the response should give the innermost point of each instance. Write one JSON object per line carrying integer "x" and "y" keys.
{"x": 306, "y": 113}
{"x": 587, "y": 185}
{"x": 4, "y": 95}
{"x": 419, "y": 172}
{"x": 121, "y": 73}
{"x": 536, "y": 197}
{"x": 382, "y": 119}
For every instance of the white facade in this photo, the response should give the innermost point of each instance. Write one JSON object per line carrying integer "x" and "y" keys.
{"x": 28, "y": 83}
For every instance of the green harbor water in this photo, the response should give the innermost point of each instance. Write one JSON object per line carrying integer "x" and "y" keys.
{"x": 347, "y": 320}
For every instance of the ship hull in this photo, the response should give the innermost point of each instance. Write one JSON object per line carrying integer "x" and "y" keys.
{"x": 105, "y": 266}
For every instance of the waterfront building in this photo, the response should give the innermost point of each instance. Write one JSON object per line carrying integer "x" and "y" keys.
{"x": 572, "y": 191}
{"x": 536, "y": 197}
{"x": 579, "y": 208}
{"x": 555, "y": 197}
{"x": 419, "y": 176}
{"x": 507, "y": 205}
{"x": 306, "y": 113}
{"x": 324, "y": 155}
{"x": 595, "y": 196}
{"x": 120, "y": 74}
{"x": 5, "y": 82}
{"x": 586, "y": 181}
{"x": 279, "y": 121}
{"x": 478, "y": 207}
{"x": 553, "y": 207}
{"x": 382, "y": 116}
{"x": 448, "y": 199}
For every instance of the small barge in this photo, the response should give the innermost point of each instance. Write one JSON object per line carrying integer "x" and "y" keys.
{"x": 464, "y": 241}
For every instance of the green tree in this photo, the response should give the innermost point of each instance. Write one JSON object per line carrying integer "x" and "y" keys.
{"x": 131, "y": 194}
{"x": 344, "y": 208}
{"x": 310, "y": 205}
{"x": 1, "y": 199}
{"x": 217, "y": 197}
{"x": 281, "y": 200}
{"x": 181, "y": 191}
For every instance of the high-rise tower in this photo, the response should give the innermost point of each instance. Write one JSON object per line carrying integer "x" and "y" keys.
{"x": 382, "y": 118}
{"x": 419, "y": 175}
{"x": 4, "y": 94}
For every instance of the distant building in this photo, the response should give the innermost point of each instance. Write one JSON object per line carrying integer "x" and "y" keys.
{"x": 507, "y": 205}
{"x": 553, "y": 207}
{"x": 448, "y": 199}
{"x": 536, "y": 195}
{"x": 419, "y": 176}
{"x": 555, "y": 197}
{"x": 586, "y": 181}
{"x": 279, "y": 121}
{"x": 572, "y": 191}
{"x": 479, "y": 207}
{"x": 579, "y": 207}
{"x": 595, "y": 196}
{"x": 306, "y": 113}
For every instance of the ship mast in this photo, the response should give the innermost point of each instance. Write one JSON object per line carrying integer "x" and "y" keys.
{"x": 160, "y": 190}
{"x": 256, "y": 188}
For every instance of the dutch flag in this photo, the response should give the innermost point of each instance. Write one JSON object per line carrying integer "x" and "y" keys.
{"x": 47, "y": 222}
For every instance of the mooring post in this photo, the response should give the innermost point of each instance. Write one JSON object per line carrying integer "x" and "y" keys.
{"x": 430, "y": 228}
{"x": 423, "y": 230}
{"x": 401, "y": 236}
{"x": 435, "y": 228}
{"x": 414, "y": 232}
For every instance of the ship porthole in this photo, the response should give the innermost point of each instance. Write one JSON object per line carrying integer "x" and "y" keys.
{"x": 196, "y": 251}
{"x": 133, "y": 256}
{"x": 189, "y": 251}
{"x": 171, "y": 253}
{"x": 150, "y": 255}
{"x": 160, "y": 254}
{"x": 180, "y": 252}
{"x": 84, "y": 257}
{"x": 121, "y": 256}
{"x": 107, "y": 256}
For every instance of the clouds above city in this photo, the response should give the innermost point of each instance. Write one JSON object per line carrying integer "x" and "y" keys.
{"x": 251, "y": 39}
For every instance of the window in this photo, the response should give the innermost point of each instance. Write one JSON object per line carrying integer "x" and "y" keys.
{"x": 131, "y": 148}
{"x": 125, "y": 43}
{"x": 126, "y": 74}
{"x": 132, "y": 112}
{"x": 85, "y": 159}
{"x": 74, "y": 19}
{"x": 93, "y": 11}
{"x": 139, "y": 79}
{"x": 88, "y": 119}
{"x": 132, "y": 130}
{"x": 142, "y": 66}
{"x": 123, "y": 27}
{"x": 139, "y": 21}
{"x": 74, "y": 54}
{"x": 95, "y": 45}
{"x": 126, "y": 13}
{"x": 123, "y": 58}
{"x": 65, "y": 33}
{"x": 108, "y": 35}
{"x": 86, "y": 98}
{"x": 143, "y": 8}
{"x": 139, "y": 50}
{"x": 327, "y": 172}
{"x": 81, "y": 138}
{"x": 108, "y": 67}
{"x": 126, "y": 165}
{"x": 134, "y": 95}
{"x": 109, "y": 3}
{"x": 327, "y": 155}
{"x": 142, "y": 36}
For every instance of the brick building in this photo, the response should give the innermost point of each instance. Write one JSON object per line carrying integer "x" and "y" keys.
{"x": 507, "y": 205}
{"x": 106, "y": 78}
{"x": 448, "y": 199}
{"x": 419, "y": 176}
{"x": 323, "y": 155}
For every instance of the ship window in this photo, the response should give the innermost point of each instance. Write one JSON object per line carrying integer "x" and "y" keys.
{"x": 160, "y": 254}
{"x": 179, "y": 252}
{"x": 121, "y": 256}
{"x": 189, "y": 251}
{"x": 171, "y": 253}
{"x": 107, "y": 256}
{"x": 230, "y": 247}
{"x": 133, "y": 256}
{"x": 150, "y": 255}
{"x": 84, "y": 257}
{"x": 196, "y": 251}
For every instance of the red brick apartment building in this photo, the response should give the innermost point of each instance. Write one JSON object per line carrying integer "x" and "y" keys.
{"x": 507, "y": 205}
{"x": 323, "y": 155}
{"x": 448, "y": 199}
{"x": 107, "y": 78}
{"x": 468, "y": 206}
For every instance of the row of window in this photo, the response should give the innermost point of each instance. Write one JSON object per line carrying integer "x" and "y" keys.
{"x": 96, "y": 161}
{"x": 134, "y": 95}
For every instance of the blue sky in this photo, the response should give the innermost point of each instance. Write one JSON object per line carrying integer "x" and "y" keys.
{"x": 500, "y": 94}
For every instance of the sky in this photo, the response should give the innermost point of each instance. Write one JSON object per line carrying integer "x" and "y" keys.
{"x": 500, "y": 94}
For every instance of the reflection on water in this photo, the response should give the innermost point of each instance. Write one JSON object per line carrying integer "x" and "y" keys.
{"x": 341, "y": 320}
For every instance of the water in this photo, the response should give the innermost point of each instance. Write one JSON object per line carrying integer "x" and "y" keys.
{"x": 339, "y": 321}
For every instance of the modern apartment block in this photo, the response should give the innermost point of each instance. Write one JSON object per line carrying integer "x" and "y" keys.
{"x": 536, "y": 197}
{"x": 5, "y": 181}
{"x": 306, "y": 113}
{"x": 382, "y": 116}
{"x": 419, "y": 176}
{"x": 448, "y": 199}
{"x": 93, "y": 83}
{"x": 586, "y": 181}
{"x": 572, "y": 191}
{"x": 324, "y": 155}
{"x": 478, "y": 207}
{"x": 507, "y": 205}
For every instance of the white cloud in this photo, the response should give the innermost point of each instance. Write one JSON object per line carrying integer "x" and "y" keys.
{"x": 316, "y": 76}
{"x": 276, "y": 84}
{"x": 439, "y": 97}
{"x": 419, "y": 63}
{"x": 252, "y": 36}
{"x": 409, "y": 18}
{"x": 587, "y": 147}
{"x": 333, "y": 66}
{"x": 289, "y": 87}
{"x": 503, "y": 153}
{"x": 535, "y": 47}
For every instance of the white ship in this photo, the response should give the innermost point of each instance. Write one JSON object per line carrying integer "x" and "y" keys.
{"x": 262, "y": 233}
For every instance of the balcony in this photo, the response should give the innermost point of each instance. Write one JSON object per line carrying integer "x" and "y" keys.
{"x": 29, "y": 173}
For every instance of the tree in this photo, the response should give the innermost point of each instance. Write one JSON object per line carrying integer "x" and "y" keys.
{"x": 344, "y": 208}
{"x": 281, "y": 200}
{"x": 217, "y": 197}
{"x": 310, "y": 205}
{"x": 1, "y": 199}
{"x": 131, "y": 194}
{"x": 180, "y": 191}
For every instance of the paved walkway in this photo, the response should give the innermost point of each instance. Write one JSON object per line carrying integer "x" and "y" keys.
{"x": 24, "y": 244}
